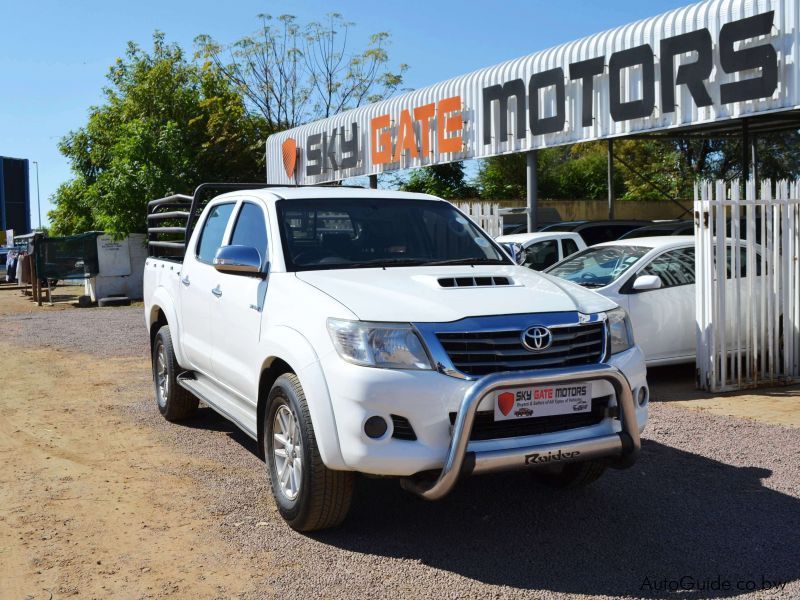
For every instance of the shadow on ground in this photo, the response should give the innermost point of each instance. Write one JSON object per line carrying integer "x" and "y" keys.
{"x": 673, "y": 515}
{"x": 677, "y": 382}
{"x": 205, "y": 418}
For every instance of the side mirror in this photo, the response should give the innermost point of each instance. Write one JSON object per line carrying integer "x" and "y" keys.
{"x": 647, "y": 282}
{"x": 238, "y": 260}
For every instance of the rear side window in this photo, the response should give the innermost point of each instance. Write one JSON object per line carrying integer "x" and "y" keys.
{"x": 251, "y": 230}
{"x": 213, "y": 231}
{"x": 569, "y": 246}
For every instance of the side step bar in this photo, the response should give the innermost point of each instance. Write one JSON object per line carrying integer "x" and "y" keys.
{"x": 209, "y": 393}
{"x": 624, "y": 446}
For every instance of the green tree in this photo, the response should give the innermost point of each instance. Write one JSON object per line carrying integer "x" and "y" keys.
{"x": 446, "y": 181}
{"x": 166, "y": 125}
{"x": 646, "y": 169}
{"x": 565, "y": 172}
{"x": 291, "y": 73}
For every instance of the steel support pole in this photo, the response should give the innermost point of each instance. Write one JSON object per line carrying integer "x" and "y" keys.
{"x": 533, "y": 192}
{"x": 38, "y": 198}
{"x": 373, "y": 182}
{"x": 611, "y": 192}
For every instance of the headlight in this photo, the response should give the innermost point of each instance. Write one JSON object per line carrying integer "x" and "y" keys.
{"x": 620, "y": 334}
{"x": 384, "y": 345}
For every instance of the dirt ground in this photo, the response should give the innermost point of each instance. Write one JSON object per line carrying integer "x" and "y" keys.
{"x": 100, "y": 498}
{"x": 86, "y": 503}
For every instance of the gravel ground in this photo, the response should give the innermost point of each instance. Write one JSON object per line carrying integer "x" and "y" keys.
{"x": 716, "y": 499}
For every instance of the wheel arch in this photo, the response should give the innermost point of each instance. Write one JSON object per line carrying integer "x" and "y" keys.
{"x": 162, "y": 312}
{"x": 291, "y": 352}
{"x": 273, "y": 368}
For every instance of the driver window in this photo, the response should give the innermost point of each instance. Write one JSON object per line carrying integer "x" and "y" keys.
{"x": 673, "y": 268}
{"x": 251, "y": 230}
{"x": 213, "y": 230}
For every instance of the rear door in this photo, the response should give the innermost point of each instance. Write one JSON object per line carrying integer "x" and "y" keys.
{"x": 236, "y": 323}
{"x": 198, "y": 280}
{"x": 663, "y": 319}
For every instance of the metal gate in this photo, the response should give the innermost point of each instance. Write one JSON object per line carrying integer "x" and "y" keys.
{"x": 748, "y": 285}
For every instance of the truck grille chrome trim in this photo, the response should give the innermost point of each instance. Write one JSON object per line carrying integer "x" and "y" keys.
{"x": 625, "y": 444}
{"x": 473, "y": 347}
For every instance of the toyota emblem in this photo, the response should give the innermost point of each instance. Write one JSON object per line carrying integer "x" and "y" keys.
{"x": 536, "y": 339}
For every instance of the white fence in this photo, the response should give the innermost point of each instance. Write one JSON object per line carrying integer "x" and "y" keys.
{"x": 484, "y": 214}
{"x": 748, "y": 287}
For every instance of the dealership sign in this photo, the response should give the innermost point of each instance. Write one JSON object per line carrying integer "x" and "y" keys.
{"x": 701, "y": 64}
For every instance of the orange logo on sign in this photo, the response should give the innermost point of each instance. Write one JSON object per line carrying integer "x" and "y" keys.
{"x": 289, "y": 152}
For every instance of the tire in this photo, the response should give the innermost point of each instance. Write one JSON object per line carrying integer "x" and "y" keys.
{"x": 313, "y": 497}
{"x": 571, "y": 475}
{"x": 174, "y": 403}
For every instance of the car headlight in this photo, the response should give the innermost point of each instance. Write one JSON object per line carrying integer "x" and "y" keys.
{"x": 383, "y": 345}
{"x": 620, "y": 333}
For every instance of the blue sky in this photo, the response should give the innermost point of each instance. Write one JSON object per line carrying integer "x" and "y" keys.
{"x": 54, "y": 55}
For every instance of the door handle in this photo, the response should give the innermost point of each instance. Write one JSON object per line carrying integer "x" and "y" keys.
{"x": 185, "y": 280}
{"x": 217, "y": 292}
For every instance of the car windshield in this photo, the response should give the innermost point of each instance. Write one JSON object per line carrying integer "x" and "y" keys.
{"x": 380, "y": 232}
{"x": 599, "y": 266}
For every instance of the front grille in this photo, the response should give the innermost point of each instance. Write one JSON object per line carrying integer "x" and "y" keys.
{"x": 486, "y": 428}
{"x": 480, "y": 353}
{"x": 402, "y": 429}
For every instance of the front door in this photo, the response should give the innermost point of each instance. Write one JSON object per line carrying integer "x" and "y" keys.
{"x": 663, "y": 319}
{"x": 236, "y": 325}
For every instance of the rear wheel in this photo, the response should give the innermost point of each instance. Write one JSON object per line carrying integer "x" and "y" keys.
{"x": 174, "y": 402}
{"x": 308, "y": 494}
{"x": 571, "y": 475}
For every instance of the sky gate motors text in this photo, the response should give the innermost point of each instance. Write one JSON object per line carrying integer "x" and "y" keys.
{"x": 760, "y": 57}
{"x": 746, "y": 70}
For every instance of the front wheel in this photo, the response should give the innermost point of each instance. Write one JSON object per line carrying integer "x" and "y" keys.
{"x": 308, "y": 494}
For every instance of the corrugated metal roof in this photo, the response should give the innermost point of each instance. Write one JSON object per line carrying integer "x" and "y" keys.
{"x": 711, "y": 15}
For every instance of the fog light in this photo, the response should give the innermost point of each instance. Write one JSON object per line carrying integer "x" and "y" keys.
{"x": 642, "y": 396}
{"x": 375, "y": 427}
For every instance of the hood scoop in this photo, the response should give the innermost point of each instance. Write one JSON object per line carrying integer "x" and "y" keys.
{"x": 470, "y": 282}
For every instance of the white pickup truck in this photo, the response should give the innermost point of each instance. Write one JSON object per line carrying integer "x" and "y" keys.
{"x": 362, "y": 331}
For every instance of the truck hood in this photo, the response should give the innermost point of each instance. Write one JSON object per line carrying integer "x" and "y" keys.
{"x": 415, "y": 294}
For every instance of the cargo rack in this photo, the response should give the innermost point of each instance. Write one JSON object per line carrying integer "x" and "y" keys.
{"x": 170, "y": 220}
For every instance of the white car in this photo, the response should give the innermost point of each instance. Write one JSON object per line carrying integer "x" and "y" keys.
{"x": 362, "y": 331}
{"x": 542, "y": 249}
{"x": 653, "y": 279}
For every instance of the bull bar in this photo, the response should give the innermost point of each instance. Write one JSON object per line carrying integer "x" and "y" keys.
{"x": 624, "y": 445}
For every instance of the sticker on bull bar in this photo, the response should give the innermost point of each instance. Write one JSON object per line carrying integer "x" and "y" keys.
{"x": 542, "y": 401}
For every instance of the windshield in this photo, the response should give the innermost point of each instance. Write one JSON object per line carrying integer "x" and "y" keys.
{"x": 357, "y": 233}
{"x": 599, "y": 266}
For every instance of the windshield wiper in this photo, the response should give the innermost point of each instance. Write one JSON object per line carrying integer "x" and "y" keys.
{"x": 467, "y": 261}
{"x": 590, "y": 284}
{"x": 382, "y": 262}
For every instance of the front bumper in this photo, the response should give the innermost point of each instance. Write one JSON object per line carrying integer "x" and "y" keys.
{"x": 622, "y": 446}
{"x": 427, "y": 398}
